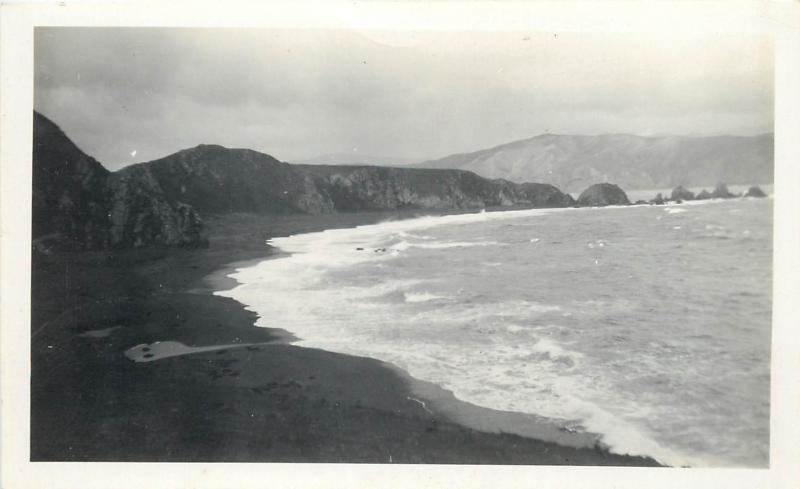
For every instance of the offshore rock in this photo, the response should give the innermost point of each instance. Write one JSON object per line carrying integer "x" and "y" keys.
{"x": 602, "y": 194}
{"x": 721, "y": 192}
{"x": 681, "y": 193}
{"x": 703, "y": 195}
{"x": 755, "y": 191}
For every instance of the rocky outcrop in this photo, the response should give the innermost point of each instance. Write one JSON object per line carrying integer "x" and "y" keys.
{"x": 79, "y": 204}
{"x": 658, "y": 199}
{"x": 721, "y": 192}
{"x": 681, "y": 193}
{"x": 543, "y": 195}
{"x": 602, "y": 194}
{"x": 142, "y": 215}
{"x": 755, "y": 191}
{"x": 703, "y": 195}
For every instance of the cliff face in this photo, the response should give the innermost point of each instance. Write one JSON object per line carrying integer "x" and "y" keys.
{"x": 354, "y": 188}
{"x": 217, "y": 180}
{"x": 141, "y": 215}
{"x": 79, "y": 204}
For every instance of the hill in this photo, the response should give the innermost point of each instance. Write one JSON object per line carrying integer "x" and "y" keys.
{"x": 218, "y": 180}
{"x": 77, "y": 203}
{"x": 572, "y": 163}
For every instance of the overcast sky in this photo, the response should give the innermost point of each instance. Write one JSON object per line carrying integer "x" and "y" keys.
{"x": 296, "y": 94}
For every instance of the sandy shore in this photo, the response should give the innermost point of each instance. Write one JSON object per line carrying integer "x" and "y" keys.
{"x": 262, "y": 401}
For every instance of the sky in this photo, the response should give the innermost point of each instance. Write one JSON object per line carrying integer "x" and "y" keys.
{"x": 126, "y": 95}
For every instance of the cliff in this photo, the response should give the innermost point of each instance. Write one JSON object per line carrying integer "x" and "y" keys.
{"x": 79, "y": 204}
{"x": 218, "y": 180}
{"x": 160, "y": 202}
{"x": 356, "y": 188}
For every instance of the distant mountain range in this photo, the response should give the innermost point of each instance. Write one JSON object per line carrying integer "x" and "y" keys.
{"x": 572, "y": 163}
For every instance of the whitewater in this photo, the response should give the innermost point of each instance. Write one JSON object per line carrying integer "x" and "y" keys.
{"x": 646, "y": 325}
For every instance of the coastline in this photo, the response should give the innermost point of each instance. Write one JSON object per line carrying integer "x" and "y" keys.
{"x": 272, "y": 403}
{"x": 433, "y": 399}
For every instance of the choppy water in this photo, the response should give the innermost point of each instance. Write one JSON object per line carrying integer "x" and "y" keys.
{"x": 647, "y": 325}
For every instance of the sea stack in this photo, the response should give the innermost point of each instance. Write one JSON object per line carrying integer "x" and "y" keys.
{"x": 721, "y": 192}
{"x": 703, "y": 195}
{"x": 755, "y": 191}
{"x": 602, "y": 194}
{"x": 681, "y": 193}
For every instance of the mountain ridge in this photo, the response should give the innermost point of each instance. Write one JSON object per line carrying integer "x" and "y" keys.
{"x": 572, "y": 162}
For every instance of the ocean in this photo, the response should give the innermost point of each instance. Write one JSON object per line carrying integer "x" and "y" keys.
{"x": 646, "y": 325}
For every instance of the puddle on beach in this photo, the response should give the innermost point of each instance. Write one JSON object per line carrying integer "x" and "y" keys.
{"x": 164, "y": 349}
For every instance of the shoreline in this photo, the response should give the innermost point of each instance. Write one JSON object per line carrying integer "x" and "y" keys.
{"x": 274, "y": 402}
{"x": 433, "y": 398}
{"x": 443, "y": 402}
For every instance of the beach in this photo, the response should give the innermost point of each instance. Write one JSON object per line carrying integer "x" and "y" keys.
{"x": 583, "y": 331}
{"x": 258, "y": 398}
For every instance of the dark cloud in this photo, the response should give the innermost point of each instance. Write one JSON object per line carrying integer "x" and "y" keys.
{"x": 299, "y": 93}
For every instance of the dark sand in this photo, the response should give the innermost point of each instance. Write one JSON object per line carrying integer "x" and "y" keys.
{"x": 259, "y": 403}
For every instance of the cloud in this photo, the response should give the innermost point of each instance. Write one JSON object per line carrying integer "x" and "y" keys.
{"x": 299, "y": 93}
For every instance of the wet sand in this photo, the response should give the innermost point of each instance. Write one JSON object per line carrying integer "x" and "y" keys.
{"x": 263, "y": 401}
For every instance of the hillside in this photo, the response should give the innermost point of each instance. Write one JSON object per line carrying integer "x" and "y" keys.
{"x": 572, "y": 163}
{"x": 70, "y": 195}
{"x": 218, "y": 180}
{"x": 78, "y": 203}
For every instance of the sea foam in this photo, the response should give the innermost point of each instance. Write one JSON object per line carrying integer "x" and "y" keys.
{"x": 549, "y": 330}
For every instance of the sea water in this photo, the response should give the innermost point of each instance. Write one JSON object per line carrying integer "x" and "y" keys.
{"x": 647, "y": 325}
